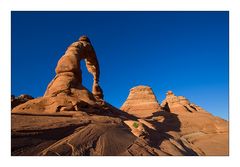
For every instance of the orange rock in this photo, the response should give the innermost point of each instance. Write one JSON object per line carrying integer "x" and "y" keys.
{"x": 200, "y": 130}
{"x": 69, "y": 77}
{"x": 49, "y": 125}
{"x": 141, "y": 102}
{"x": 66, "y": 92}
{"x": 178, "y": 103}
{"x": 179, "y": 127}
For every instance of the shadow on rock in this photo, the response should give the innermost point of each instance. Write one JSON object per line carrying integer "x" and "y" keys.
{"x": 165, "y": 122}
{"x": 109, "y": 110}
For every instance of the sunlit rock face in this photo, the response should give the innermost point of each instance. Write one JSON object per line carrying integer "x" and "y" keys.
{"x": 175, "y": 103}
{"x": 141, "y": 102}
{"x": 66, "y": 92}
{"x": 207, "y": 134}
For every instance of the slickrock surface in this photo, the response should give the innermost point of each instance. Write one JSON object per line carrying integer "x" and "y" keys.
{"x": 207, "y": 133}
{"x": 69, "y": 134}
{"x": 76, "y": 133}
{"x": 141, "y": 102}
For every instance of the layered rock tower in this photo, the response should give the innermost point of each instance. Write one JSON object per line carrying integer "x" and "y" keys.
{"x": 141, "y": 102}
{"x": 175, "y": 103}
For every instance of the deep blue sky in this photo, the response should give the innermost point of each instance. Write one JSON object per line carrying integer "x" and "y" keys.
{"x": 186, "y": 52}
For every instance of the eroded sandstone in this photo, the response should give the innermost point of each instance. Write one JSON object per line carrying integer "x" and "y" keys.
{"x": 141, "y": 102}
{"x": 66, "y": 92}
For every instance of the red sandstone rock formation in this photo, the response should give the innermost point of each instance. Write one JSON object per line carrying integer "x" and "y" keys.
{"x": 141, "y": 102}
{"x": 179, "y": 127}
{"x": 203, "y": 131}
{"x": 70, "y": 120}
{"x": 66, "y": 92}
{"x": 169, "y": 131}
{"x": 179, "y": 103}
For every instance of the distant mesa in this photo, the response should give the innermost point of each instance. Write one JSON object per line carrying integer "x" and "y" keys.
{"x": 141, "y": 102}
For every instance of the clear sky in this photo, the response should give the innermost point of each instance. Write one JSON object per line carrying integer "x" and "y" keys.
{"x": 186, "y": 52}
